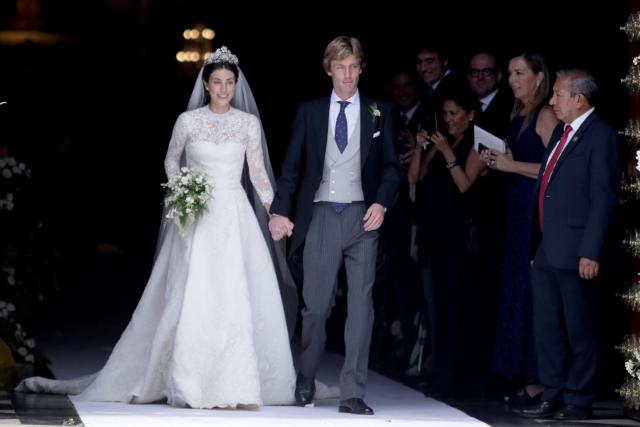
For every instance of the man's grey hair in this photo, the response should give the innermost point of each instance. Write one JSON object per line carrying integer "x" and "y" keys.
{"x": 581, "y": 82}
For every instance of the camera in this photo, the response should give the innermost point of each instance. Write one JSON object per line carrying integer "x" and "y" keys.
{"x": 428, "y": 123}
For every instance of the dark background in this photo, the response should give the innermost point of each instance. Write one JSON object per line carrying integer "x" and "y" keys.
{"x": 93, "y": 116}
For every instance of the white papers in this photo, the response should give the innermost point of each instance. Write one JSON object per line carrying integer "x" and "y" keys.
{"x": 488, "y": 140}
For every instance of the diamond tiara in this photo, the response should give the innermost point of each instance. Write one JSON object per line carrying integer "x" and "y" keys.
{"x": 222, "y": 54}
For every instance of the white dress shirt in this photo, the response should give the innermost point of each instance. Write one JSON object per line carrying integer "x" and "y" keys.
{"x": 351, "y": 112}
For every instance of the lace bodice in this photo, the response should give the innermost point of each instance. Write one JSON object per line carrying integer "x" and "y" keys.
{"x": 216, "y": 144}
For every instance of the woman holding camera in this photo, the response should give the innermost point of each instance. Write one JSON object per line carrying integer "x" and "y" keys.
{"x": 444, "y": 173}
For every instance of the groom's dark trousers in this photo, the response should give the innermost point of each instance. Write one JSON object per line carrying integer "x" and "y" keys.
{"x": 332, "y": 238}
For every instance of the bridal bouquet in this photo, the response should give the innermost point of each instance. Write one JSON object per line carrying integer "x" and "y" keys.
{"x": 187, "y": 196}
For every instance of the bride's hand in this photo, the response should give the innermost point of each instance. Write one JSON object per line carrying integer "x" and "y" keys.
{"x": 280, "y": 226}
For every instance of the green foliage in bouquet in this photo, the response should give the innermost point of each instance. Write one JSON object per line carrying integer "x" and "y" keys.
{"x": 187, "y": 196}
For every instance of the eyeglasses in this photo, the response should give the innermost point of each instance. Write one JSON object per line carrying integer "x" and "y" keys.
{"x": 486, "y": 72}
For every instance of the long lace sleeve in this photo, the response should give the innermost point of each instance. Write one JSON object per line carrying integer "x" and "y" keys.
{"x": 176, "y": 147}
{"x": 255, "y": 160}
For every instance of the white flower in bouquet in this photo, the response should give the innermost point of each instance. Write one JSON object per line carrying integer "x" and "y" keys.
{"x": 187, "y": 196}
{"x": 638, "y": 160}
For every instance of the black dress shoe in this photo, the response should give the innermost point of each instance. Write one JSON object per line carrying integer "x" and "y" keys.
{"x": 305, "y": 390}
{"x": 572, "y": 412}
{"x": 542, "y": 410}
{"x": 355, "y": 405}
{"x": 522, "y": 401}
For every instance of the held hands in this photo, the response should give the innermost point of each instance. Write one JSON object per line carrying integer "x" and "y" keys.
{"x": 373, "y": 217}
{"x": 280, "y": 226}
{"x": 588, "y": 269}
{"x": 497, "y": 160}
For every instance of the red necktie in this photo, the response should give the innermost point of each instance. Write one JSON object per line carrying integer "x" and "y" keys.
{"x": 549, "y": 170}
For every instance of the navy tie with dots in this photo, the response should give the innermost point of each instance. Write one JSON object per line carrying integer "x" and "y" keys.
{"x": 342, "y": 130}
{"x": 342, "y": 138}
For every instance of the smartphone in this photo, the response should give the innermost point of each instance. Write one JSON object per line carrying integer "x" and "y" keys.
{"x": 429, "y": 123}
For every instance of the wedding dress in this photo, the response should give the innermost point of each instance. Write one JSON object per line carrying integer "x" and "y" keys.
{"x": 209, "y": 330}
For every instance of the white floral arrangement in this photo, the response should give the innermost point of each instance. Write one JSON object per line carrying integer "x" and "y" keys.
{"x": 633, "y": 365}
{"x": 6, "y": 203}
{"x": 374, "y": 110}
{"x": 187, "y": 196}
{"x": 9, "y": 167}
{"x": 638, "y": 160}
{"x": 23, "y": 346}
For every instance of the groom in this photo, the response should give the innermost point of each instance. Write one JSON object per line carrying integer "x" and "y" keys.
{"x": 339, "y": 176}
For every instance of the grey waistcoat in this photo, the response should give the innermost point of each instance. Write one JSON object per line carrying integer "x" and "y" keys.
{"x": 341, "y": 178}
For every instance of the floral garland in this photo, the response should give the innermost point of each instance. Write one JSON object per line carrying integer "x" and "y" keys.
{"x": 24, "y": 275}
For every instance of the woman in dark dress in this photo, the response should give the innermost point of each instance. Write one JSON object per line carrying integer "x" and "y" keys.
{"x": 444, "y": 176}
{"x": 531, "y": 126}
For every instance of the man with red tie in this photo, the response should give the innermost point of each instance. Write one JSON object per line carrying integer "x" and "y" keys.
{"x": 575, "y": 200}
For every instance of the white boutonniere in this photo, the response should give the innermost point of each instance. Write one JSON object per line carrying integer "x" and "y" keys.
{"x": 374, "y": 110}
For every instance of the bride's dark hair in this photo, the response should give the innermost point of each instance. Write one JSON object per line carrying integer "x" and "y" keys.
{"x": 212, "y": 66}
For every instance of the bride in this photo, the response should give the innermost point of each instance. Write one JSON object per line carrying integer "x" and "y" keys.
{"x": 209, "y": 330}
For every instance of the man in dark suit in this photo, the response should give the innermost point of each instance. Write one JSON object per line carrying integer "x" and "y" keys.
{"x": 432, "y": 64}
{"x": 574, "y": 205}
{"x": 405, "y": 90}
{"x": 496, "y": 101}
{"x": 338, "y": 177}
{"x": 488, "y": 200}
{"x": 402, "y": 291}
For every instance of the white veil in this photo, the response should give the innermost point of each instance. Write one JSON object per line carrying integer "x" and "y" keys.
{"x": 243, "y": 100}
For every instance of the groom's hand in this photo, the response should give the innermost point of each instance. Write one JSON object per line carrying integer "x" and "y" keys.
{"x": 373, "y": 217}
{"x": 280, "y": 226}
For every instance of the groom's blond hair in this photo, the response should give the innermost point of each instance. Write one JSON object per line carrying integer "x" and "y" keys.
{"x": 341, "y": 47}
